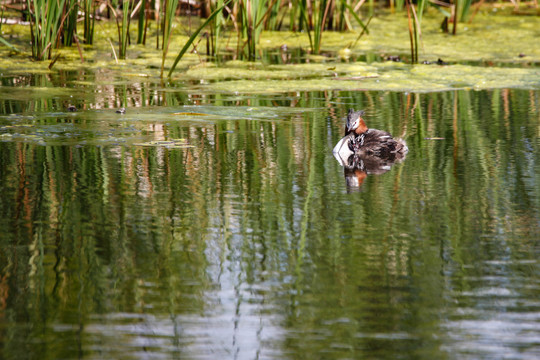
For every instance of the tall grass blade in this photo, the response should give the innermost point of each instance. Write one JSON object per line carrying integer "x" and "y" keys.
{"x": 356, "y": 17}
{"x": 259, "y": 14}
{"x": 5, "y": 42}
{"x": 114, "y": 51}
{"x": 169, "y": 10}
{"x": 411, "y": 30}
{"x": 122, "y": 27}
{"x": 2, "y": 40}
{"x": 124, "y": 39}
{"x": 89, "y": 21}
{"x": 69, "y": 25}
{"x": 399, "y": 4}
{"x": 271, "y": 21}
{"x": 465, "y": 10}
{"x": 78, "y": 47}
{"x": 415, "y": 28}
{"x": 194, "y": 36}
{"x": 46, "y": 18}
{"x": 252, "y": 13}
{"x": 305, "y": 22}
{"x": 294, "y": 13}
{"x": 143, "y": 22}
{"x": 168, "y": 15}
{"x": 362, "y": 32}
{"x": 315, "y": 15}
{"x": 54, "y": 61}
{"x": 216, "y": 25}
{"x": 321, "y": 23}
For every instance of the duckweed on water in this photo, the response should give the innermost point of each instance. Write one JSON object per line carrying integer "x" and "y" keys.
{"x": 377, "y": 76}
{"x": 137, "y": 127}
{"x": 169, "y": 144}
{"x": 491, "y": 37}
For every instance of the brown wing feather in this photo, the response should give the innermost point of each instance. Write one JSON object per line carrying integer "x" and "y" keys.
{"x": 380, "y": 144}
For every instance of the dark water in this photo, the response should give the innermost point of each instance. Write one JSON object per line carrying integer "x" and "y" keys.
{"x": 245, "y": 241}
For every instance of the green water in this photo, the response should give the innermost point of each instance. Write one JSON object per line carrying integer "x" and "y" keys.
{"x": 207, "y": 225}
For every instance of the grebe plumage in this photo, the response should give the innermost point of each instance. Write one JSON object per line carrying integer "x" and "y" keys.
{"x": 361, "y": 141}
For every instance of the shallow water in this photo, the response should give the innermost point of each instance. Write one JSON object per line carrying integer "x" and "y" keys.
{"x": 206, "y": 225}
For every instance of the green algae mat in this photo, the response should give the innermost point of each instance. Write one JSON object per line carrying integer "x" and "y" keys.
{"x": 495, "y": 50}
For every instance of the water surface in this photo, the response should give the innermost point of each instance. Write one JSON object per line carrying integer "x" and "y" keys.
{"x": 204, "y": 225}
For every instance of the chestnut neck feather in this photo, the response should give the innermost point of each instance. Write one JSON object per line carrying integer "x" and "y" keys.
{"x": 362, "y": 128}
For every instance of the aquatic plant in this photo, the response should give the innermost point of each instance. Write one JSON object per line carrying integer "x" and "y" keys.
{"x": 415, "y": 28}
{"x": 5, "y": 42}
{"x": 359, "y": 21}
{"x": 89, "y": 20}
{"x": 168, "y": 16}
{"x": 396, "y": 5}
{"x": 216, "y": 25}
{"x": 250, "y": 22}
{"x": 314, "y": 15}
{"x": 45, "y": 24}
{"x": 319, "y": 15}
{"x": 142, "y": 25}
{"x": 69, "y": 28}
{"x": 122, "y": 22}
{"x": 193, "y": 37}
{"x": 53, "y": 23}
{"x": 2, "y": 40}
{"x": 465, "y": 8}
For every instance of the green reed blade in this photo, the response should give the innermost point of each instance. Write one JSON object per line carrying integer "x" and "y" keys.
{"x": 69, "y": 23}
{"x": 89, "y": 21}
{"x": 305, "y": 21}
{"x": 169, "y": 10}
{"x": 216, "y": 29}
{"x": 124, "y": 28}
{"x": 1, "y": 19}
{"x": 141, "y": 23}
{"x": 194, "y": 36}
{"x": 466, "y": 4}
{"x": 46, "y": 19}
{"x": 5, "y": 42}
{"x": 253, "y": 20}
{"x": 362, "y": 32}
{"x": 356, "y": 17}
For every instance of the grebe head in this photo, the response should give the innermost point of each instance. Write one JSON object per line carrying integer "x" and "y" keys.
{"x": 355, "y": 122}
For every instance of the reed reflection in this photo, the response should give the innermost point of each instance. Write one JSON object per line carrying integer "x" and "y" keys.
{"x": 106, "y": 245}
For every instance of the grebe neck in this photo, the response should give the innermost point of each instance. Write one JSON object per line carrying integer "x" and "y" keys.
{"x": 362, "y": 127}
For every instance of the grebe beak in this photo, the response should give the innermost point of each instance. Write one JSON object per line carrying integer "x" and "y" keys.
{"x": 350, "y": 125}
{"x": 353, "y": 124}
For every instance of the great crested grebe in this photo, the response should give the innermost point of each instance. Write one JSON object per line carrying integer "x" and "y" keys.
{"x": 361, "y": 141}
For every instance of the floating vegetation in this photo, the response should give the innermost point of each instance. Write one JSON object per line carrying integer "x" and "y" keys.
{"x": 377, "y": 76}
{"x": 44, "y": 130}
{"x": 190, "y": 114}
{"x": 147, "y": 127}
{"x": 169, "y": 144}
